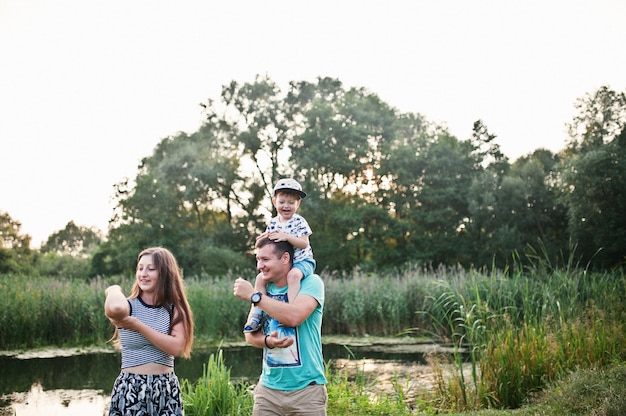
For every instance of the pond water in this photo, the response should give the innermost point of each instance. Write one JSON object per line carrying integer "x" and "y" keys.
{"x": 79, "y": 383}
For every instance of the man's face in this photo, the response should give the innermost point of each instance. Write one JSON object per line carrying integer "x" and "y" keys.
{"x": 270, "y": 264}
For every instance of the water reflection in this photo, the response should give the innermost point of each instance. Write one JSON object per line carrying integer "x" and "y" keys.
{"x": 38, "y": 401}
{"x": 77, "y": 372}
{"x": 80, "y": 385}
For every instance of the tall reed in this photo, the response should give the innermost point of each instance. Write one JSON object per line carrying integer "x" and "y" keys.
{"x": 218, "y": 314}
{"x": 214, "y": 394}
{"x": 524, "y": 331}
{"x": 39, "y": 311}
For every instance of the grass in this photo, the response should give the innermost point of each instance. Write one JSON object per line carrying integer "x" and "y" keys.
{"x": 215, "y": 393}
{"x": 592, "y": 391}
{"x": 517, "y": 332}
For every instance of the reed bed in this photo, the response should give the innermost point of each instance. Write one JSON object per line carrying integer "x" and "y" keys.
{"x": 43, "y": 312}
{"x": 521, "y": 333}
{"x": 517, "y": 332}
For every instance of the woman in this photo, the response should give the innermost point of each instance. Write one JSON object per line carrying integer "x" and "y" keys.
{"x": 153, "y": 325}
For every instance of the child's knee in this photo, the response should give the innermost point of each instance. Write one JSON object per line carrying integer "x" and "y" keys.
{"x": 295, "y": 275}
{"x": 259, "y": 285}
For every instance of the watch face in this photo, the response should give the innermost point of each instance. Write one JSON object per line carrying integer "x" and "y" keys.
{"x": 255, "y": 297}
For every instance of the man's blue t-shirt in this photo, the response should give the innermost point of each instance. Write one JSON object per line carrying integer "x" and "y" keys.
{"x": 302, "y": 363}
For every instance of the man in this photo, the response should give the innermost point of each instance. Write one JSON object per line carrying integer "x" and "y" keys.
{"x": 292, "y": 381}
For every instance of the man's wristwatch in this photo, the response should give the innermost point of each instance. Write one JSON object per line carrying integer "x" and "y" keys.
{"x": 255, "y": 298}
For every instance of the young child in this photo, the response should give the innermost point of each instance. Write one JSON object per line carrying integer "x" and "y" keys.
{"x": 293, "y": 228}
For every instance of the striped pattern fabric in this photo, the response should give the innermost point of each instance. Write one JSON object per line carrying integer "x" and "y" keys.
{"x": 136, "y": 349}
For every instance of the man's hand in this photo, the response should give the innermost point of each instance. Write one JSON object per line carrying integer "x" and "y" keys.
{"x": 273, "y": 341}
{"x": 243, "y": 289}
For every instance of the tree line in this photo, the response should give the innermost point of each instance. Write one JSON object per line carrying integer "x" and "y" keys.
{"x": 385, "y": 188}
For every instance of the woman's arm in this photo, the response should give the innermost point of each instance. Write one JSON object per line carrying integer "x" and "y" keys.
{"x": 116, "y": 305}
{"x": 172, "y": 344}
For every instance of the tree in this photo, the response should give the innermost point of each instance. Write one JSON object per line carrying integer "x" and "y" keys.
{"x": 383, "y": 187}
{"x": 343, "y": 131}
{"x": 517, "y": 212}
{"x": 256, "y": 126}
{"x": 15, "y": 252}
{"x": 67, "y": 252}
{"x": 426, "y": 175}
{"x": 183, "y": 198}
{"x": 73, "y": 240}
{"x": 336, "y": 152}
{"x": 593, "y": 178}
{"x": 542, "y": 218}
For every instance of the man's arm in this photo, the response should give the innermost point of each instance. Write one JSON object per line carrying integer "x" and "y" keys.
{"x": 259, "y": 339}
{"x": 290, "y": 314}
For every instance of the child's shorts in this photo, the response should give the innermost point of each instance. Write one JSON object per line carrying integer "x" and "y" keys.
{"x": 306, "y": 266}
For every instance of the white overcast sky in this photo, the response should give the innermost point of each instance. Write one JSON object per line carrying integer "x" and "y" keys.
{"x": 89, "y": 87}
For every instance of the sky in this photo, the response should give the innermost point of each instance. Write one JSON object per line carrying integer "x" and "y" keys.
{"x": 88, "y": 88}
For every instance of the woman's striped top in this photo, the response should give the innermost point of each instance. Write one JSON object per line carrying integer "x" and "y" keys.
{"x": 136, "y": 349}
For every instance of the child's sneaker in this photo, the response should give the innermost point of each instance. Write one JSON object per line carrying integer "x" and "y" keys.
{"x": 254, "y": 324}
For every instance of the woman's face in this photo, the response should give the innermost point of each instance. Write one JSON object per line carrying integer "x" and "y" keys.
{"x": 147, "y": 274}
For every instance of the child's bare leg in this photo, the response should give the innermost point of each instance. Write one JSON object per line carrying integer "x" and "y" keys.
{"x": 293, "y": 281}
{"x": 254, "y": 320}
{"x": 259, "y": 285}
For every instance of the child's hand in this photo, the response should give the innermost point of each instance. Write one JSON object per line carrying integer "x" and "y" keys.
{"x": 278, "y": 236}
{"x": 264, "y": 234}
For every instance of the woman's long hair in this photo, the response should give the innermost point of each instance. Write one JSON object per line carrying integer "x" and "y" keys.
{"x": 170, "y": 292}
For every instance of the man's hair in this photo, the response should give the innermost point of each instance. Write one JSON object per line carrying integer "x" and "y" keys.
{"x": 279, "y": 247}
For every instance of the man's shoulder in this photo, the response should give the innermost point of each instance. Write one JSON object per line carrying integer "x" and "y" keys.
{"x": 312, "y": 279}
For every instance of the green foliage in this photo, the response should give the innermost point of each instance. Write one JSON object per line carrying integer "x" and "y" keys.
{"x": 214, "y": 394}
{"x": 348, "y": 394}
{"x": 15, "y": 252}
{"x": 511, "y": 336}
{"x": 384, "y": 188}
{"x": 524, "y": 332}
{"x": 217, "y": 313}
{"x": 182, "y": 199}
{"x": 593, "y": 177}
{"x": 363, "y": 303}
{"x": 73, "y": 240}
{"x": 41, "y": 311}
{"x": 515, "y": 210}
{"x": 591, "y": 391}
{"x": 62, "y": 266}
{"x": 596, "y": 198}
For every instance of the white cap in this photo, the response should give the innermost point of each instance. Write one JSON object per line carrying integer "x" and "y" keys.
{"x": 289, "y": 184}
